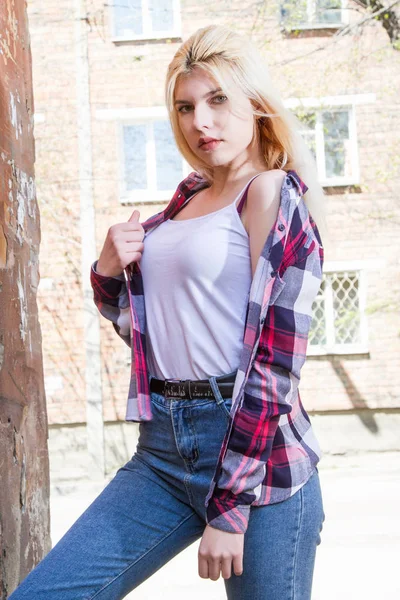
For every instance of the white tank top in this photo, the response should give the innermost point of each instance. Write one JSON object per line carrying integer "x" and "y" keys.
{"x": 196, "y": 279}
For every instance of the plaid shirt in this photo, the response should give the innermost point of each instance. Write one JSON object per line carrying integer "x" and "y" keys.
{"x": 269, "y": 450}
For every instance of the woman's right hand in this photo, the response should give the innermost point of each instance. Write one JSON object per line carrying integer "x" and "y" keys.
{"x": 123, "y": 245}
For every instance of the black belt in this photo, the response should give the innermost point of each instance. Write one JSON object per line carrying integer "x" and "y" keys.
{"x": 190, "y": 389}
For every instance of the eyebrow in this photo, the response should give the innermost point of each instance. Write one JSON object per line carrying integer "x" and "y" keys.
{"x": 205, "y": 96}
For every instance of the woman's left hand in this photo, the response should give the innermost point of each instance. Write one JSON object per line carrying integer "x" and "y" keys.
{"x": 218, "y": 551}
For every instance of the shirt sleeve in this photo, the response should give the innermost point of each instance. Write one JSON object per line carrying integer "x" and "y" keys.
{"x": 110, "y": 295}
{"x": 269, "y": 389}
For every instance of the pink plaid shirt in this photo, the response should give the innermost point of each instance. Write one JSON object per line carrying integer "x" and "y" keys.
{"x": 269, "y": 450}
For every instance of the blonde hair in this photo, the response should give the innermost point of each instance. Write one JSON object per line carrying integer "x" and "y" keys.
{"x": 232, "y": 60}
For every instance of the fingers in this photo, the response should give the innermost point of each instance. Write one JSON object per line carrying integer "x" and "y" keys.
{"x": 213, "y": 568}
{"x": 135, "y": 257}
{"x": 203, "y": 567}
{"x": 210, "y": 568}
{"x": 123, "y": 245}
{"x": 219, "y": 551}
{"x": 137, "y": 247}
{"x": 134, "y": 216}
{"x": 226, "y": 567}
{"x": 238, "y": 564}
{"x": 120, "y": 236}
{"x": 131, "y": 225}
{"x": 127, "y": 237}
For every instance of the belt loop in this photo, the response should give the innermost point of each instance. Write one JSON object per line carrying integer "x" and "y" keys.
{"x": 187, "y": 389}
{"x": 215, "y": 389}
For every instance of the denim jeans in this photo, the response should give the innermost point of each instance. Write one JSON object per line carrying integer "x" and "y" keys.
{"x": 153, "y": 509}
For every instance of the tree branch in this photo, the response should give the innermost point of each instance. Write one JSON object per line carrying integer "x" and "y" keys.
{"x": 345, "y": 31}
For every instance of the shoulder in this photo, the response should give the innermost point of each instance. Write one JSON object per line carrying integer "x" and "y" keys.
{"x": 268, "y": 183}
{"x": 265, "y": 189}
{"x": 262, "y": 208}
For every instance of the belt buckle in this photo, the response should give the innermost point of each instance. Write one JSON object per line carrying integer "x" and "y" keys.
{"x": 170, "y": 392}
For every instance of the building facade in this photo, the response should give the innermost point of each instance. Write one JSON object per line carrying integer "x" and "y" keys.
{"x": 104, "y": 147}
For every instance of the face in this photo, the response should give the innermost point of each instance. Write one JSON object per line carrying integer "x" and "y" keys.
{"x": 218, "y": 129}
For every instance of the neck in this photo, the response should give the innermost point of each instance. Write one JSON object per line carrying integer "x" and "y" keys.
{"x": 235, "y": 173}
{"x": 226, "y": 179}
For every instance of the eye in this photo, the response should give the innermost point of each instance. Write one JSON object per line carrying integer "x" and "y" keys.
{"x": 182, "y": 109}
{"x": 220, "y": 99}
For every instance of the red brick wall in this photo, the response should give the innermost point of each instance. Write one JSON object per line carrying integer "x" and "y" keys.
{"x": 57, "y": 172}
{"x": 362, "y": 221}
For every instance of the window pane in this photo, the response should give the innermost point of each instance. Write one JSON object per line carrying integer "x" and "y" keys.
{"x": 317, "y": 335}
{"x": 168, "y": 160}
{"x": 307, "y": 12}
{"x": 308, "y": 121}
{"x": 307, "y": 118}
{"x": 328, "y": 11}
{"x": 127, "y": 17}
{"x": 346, "y": 308}
{"x": 345, "y": 318}
{"x": 135, "y": 138}
{"x": 337, "y": 144}
{"x": 161, "y": 14}
{"x": 293, "y": 13}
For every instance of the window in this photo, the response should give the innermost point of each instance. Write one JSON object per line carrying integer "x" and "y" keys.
{"x": 145, "y": 19}
{"x": 339, "y": 322}
{"x": 331, "y": 136}
{"x": 151, "y": 165}
{"x": 312, "y": 14}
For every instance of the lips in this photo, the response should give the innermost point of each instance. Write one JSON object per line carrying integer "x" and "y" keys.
{"x": 206, "y": 140}
{"x": 208, "y": 143}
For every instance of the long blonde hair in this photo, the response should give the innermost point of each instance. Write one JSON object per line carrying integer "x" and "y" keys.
{"x": 230, "y": 60}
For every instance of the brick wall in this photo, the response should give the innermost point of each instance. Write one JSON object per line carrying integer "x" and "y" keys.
{"x": 362, "y": 220}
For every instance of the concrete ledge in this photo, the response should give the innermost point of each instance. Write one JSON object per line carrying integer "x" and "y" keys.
{"x": 357, "y": 431}
{"x": 339, "y": 434}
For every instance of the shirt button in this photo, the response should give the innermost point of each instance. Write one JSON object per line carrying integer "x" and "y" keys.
{"x": 281, "y": 227}
{"x": 179, "y": 195}
{"x": 273, "y": 274}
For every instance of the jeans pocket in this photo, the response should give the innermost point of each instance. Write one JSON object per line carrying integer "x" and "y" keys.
{"x": 226, "y": 406}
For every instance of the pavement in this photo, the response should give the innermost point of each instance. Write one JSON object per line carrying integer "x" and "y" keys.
{"x": 358, "y": 558}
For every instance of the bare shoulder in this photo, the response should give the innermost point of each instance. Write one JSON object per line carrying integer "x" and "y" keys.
{"x": 267, "y": 186}
{"x": 262, "y": 207}
{"x": 263, "y": 197}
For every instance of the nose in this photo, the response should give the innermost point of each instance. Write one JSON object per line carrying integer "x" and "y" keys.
{"x": 202, "y": 117}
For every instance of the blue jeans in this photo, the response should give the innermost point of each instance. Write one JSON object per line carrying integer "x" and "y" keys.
{"x": 153, "y": 509}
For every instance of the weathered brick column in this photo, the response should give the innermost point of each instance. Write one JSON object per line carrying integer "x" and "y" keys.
{"x": 24, "y": 473}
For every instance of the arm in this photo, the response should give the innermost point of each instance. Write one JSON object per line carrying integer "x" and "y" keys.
{"x": 110, "y": 295}
{"x": 261, "y": 210}
{"x": 122, "y": 248}
{"x": 272, "y": 384}
{"x": 270, "y": 390}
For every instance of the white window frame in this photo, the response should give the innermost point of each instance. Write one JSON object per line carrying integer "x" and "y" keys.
{"x": 311, "y": 25}
{"x": 148, "y": 33}
{"x": 320, "y": 149}
{"x": 344, "y": 349}
{"x": 345, "y": 102}
{"x": 139, "y": 116}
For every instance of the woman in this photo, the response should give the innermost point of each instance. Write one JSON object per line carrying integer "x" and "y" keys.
{"x": 229, "y": 272}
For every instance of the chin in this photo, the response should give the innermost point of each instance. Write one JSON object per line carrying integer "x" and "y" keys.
{"x": 216, "y": 160}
